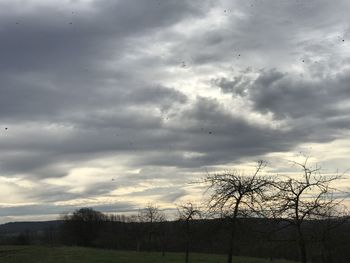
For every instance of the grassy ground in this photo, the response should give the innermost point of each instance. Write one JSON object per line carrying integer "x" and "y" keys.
{"x": 30, "y": 254}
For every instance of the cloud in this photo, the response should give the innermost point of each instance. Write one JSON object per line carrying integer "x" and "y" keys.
{"x": 293, "y": 98}
{"x": 48, "y": 209}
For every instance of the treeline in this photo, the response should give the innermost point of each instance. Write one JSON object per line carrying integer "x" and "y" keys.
{"x": 257, "y": 237}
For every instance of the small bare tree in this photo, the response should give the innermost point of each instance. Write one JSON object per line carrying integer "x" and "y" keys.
{"x": 305, "y": 197}
{"x": 187, "y": 213}
{"x": 151, "y": 216}
{"x": 235, "y": 195}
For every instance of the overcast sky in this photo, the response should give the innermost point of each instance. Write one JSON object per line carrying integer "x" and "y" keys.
{"x": 116, "y": 103}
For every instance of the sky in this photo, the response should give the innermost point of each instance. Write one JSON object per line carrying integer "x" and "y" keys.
{"x": 113, "y": 104}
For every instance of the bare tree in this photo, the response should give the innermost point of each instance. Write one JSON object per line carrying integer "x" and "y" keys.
{"x": 151, "y": 213}
{"x": 235, "y": 195}
{"x": 151, "y": 216}
{"x": 187, "y": 213}
{"x": 302, "y": 198}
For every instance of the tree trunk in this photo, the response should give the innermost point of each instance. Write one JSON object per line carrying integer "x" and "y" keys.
{"x": 231, "y": 242}
{"x": 138, "y": 245}
{"x": 233, "y": 230}
{"x": 326, "y": 252}
{"x": 302, "y": 249}
{"x": 187, "y": 254}
{"x": 187, "y": 241}
{"x": 230, "y": 250}
{"x": 302, "y": 245}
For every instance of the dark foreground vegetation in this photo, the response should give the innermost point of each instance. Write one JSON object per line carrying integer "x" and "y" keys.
{"x": 35, "y": 254}
{"x": 296, "y": 218}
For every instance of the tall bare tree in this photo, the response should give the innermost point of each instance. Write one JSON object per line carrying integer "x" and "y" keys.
{"x": 187, "y": 213}
{"x": 233, "y": 195}
{"x": 304, "y": 197}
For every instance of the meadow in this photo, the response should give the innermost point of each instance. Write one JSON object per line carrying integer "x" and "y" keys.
{"x": 36, "y": 254}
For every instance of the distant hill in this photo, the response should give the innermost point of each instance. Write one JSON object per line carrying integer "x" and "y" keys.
{"x": 20, "y": 227}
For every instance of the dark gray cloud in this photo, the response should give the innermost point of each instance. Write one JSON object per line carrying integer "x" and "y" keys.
{"x": 292, "y": 97}
{"x": 51, "y": 68}
{"x": 64, "y": 39}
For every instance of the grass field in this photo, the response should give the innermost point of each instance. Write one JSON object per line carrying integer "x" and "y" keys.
{"x": 31, "y": 254}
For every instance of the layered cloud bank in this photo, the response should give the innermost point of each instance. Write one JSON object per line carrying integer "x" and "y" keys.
{"x": 114, "y": 104}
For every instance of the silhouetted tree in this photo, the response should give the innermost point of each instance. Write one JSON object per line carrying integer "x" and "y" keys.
{"x": 187, "y": 213}
{"x": 151, "y": 216}
{"x": 151, "y": 213}
{"x": 83, "y": 226}
{"x": 302, "y": 198}
{"x": 233, "y": 195}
